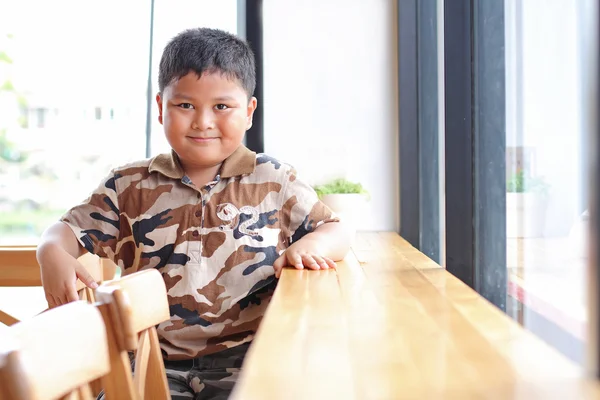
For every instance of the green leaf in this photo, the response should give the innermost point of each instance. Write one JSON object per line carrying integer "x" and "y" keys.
{"x": 7, "y": 86}
{"x": 340, "y": 186}
{"x": 22, "y": 121}
{"x": 519, "y": 182}
{"x": 22, "y": 101}
{"x": 5, "y": 58}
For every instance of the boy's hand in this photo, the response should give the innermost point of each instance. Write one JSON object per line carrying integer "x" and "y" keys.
{"x": 60, "y": 271}
{"x": 306, "y": 252}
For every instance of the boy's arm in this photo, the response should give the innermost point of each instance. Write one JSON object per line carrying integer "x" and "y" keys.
{"x": 319, "y": 249}
{"x": 57, "y": 255}
{"x": 92, "y": 225}
{"x": 60, "y": 236}
{"x": 334, "y": 240}
{"x": 316, "y": 234}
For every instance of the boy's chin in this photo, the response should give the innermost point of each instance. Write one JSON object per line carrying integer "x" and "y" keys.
{"x": 204, "y": 157}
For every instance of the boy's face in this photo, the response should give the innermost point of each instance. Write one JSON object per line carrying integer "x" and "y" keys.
{"x": 204, "y": 119}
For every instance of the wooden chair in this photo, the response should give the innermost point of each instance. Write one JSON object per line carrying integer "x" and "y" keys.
{"x": 101, "y": 269}
{"x": 54, "y": 355}
{"x": 132, "y": 307}
{"x": 19, "y": 268}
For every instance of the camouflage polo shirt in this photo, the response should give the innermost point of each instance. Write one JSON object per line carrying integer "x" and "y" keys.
{"x": 214, "y": 245}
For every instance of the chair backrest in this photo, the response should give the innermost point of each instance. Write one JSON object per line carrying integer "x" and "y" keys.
{"x": 19, "y": 268}
{"x": 54, "y": 355}
{"x": 132, "y": 307}
{"x": 101, "y": 269}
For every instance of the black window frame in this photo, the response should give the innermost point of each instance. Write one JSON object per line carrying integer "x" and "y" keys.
{"x": 250, "y": 27}
{"x": 475, "y": 146}
{"x": 474, "y": 245}
{"x": 474, "y": 212}
{"x": 419, "y": 125}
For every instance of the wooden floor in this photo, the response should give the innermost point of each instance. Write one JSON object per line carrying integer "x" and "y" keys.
{"x": 391, "y": 324}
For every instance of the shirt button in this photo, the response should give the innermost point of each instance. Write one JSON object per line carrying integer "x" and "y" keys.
{"x": 195, "y": 234}
{"x": 198, "y": 214}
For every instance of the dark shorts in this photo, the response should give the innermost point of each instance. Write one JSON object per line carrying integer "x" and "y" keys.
{"x": 210, "y": 377}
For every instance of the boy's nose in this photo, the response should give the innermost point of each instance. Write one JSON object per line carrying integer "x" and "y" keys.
{"x": 203, "y": 121}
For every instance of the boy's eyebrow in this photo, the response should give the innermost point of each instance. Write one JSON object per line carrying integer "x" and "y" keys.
{"x": 182, "y": 96}
{"x": 224, "y": 98}
{"x": 186, "y": 97}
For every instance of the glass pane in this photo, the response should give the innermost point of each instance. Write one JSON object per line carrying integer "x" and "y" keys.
{"x": 547, "y": 53}
{"x": 73, "y": 101}
{"x": 169, "y": 20}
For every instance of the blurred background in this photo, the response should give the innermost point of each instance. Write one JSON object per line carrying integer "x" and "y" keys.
{"x": 73, "y": 100}
{"x": 74, "y": 104}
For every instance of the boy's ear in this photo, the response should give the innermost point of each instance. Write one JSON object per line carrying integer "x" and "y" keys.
{"x": 159, "y": 103}
{"x": 252, "y": 104}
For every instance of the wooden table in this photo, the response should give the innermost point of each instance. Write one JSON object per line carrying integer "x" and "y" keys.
{"x": 392, "y": 324}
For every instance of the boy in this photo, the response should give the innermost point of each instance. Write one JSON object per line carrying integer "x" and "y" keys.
{"x": 218, "y": 221}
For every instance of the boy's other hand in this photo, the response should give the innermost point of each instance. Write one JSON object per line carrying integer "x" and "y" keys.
{"x": 304, "y": 253}
{"x": 59, "y": 278}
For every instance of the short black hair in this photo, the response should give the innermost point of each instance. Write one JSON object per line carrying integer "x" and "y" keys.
{"x": 207, "y": 50}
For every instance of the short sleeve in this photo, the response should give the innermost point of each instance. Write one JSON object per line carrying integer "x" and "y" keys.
{"x": 302, "y": 211}
{"x": 96, "y": 220}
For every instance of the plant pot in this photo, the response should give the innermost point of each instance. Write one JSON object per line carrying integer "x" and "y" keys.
{"x": 525, "y": 214}
{"x": 348, "y": 206}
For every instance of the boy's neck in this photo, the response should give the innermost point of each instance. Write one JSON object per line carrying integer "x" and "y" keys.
{"x": 201, "y": 176}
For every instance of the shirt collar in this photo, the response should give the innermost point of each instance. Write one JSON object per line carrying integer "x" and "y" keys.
{"x": 241, "y": 162}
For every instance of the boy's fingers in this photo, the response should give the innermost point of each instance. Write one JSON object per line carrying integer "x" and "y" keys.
{"x": 72, "y": 294}
{"x": 279, "y": 264}
{"x": 297, "y": 261}
{"x": 322, "y": 264}
{"x": 331, "y": 263}
{"x": 310, "y": 262}
{"x": 51, "y": 301}
{"x": 85, "y": 277}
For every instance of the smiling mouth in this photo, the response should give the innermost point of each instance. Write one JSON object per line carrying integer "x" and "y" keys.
{"x": 202, "y": 139}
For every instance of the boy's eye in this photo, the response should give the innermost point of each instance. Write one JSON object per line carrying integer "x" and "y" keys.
{"x": 221, "y": 107}
{"x": 185, "y": 105}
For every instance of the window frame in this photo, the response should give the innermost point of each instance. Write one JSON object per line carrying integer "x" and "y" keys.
{"x": 472, "y": 131}
{"x": 475, "y": 146}
{"x": 593, "y": 153}
{"x": 418, "y": 111}
{"x": 250, "y": 27}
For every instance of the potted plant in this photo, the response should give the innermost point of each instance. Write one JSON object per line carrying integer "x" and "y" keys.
{"x": 345, "y": 198}
{"x": 526, "y": 204}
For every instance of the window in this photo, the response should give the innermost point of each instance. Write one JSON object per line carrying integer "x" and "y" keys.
{"x": 59, "y": 77}
{"x": 547, "y": 135}
{"x": 40, "y": 117}
{"x": 515, "y": 125}
{"x": 84, "y": 86}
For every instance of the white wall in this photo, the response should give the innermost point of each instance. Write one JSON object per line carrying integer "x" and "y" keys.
{"x": 330, "y": 95}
